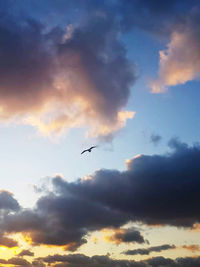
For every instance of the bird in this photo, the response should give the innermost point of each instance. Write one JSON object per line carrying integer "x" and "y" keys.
{"x": 88, "y": 150}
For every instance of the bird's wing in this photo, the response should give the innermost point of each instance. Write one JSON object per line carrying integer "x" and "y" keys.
{"x": 93, "y": 147}
{"x": 84, "y": 151}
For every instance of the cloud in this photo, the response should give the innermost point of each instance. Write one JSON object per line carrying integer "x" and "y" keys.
{"x": 153, "y": 16}
{"x": 147, "y": 251}
{"x": 65, "y": 215}
{"x": 56, "y": 80}
{"x": 180, "y": 62}
{"x": 62, "y": 220}
{"x": 26, "y": 67}
{"x": 8, "y": 202}
{"x": 16, "y": 262}
{"x": 58, "y": 75}
{"x": 79, "y": 260}
{"x": 7, "y": 242}
{"x": 73, "y": 246}
{"x": 172, "y": 180}
{"x": 26, "y": 252}
{"x": 155, "y": 139}
{"x": 38, "y": 263}
{"x": 193, "y": 248}
{"x": 125, "y": 236}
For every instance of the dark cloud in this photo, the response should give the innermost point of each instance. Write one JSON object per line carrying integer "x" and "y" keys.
{"x": 26, "y": 66}
{"x": 155, "y": 139}
{"x": 7, "y": 242}
{"x": 79, "y": 260}
{"x": 57, "y": 79}
{"x": 172, "y": 180}
{"x": 125, "y": 236}
{"x": 38, "y": 263}
{"x": 184, "y": 262}
{"x": 110, "y": 198}
{"x": 26, "y": 252}
{"x": 8, "y": 202}
{"x": 151, "y": 15}
{"x": 16, "y": 262}
{"x": 62, "y": 220}
{"x": 147, "y": 251}
{"x": 155, "y": 16}
{"x": 103, "y": 58}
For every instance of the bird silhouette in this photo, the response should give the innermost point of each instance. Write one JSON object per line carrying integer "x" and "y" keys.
{"x": 88, "y": 150}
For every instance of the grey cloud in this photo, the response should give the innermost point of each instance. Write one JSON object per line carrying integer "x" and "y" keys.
{"x": 110, "y": 198}
{"x": 26, "y": 252}
{"x": 172, "y": 180}
{"x": 62, "y": 220}
{"x": 38, "y": 263}
{"x": 155, "y": 139}
{"x": 26, "y": 66}
{"x": 154, "y": 16}
{"x": 16, "y": 262}
{"x": 85, "y": 71}
{"x": 8, "y": 202}
{"x": 126, "y": 236}
{"x": 79, "y": 260}
{"x": 104, "y": 59}
{"x": 147, "y": 251}
{"x": 151, "y": 15}
{"x": 7, "y": 242}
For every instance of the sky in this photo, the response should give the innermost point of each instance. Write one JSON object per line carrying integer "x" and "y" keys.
{"x": 119, "y": 75}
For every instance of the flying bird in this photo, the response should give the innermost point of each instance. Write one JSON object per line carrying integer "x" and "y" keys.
{"x": 88, "y": 150}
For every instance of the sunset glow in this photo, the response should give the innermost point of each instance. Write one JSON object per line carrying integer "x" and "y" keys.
{"x": 99, "y": 133}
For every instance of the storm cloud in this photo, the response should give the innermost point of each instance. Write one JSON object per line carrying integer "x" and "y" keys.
{"x": 62, "y": 220}
{"x": 172, "y": 180}
{"x": 110, "y": 199}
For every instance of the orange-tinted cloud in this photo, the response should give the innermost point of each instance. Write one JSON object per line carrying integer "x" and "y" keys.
{"x": 180, "y": 62}
{"x": 62, "y": 80}
{"x": 196, "y": 227}
{"x": 73, "y": 246}
{"x": 7, "y": 242}
{"x": 192, "y": 248}
{"x": 119, "y": 236}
